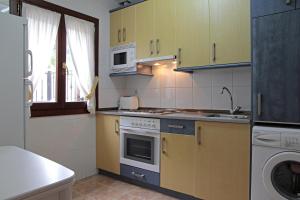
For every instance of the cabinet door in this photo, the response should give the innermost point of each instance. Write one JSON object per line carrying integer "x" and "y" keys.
{"x": 128, "y": 24}
{"x": 115, "y": 28}
{"x": 192, "y": 32}
{"x": 298, "y": 4}
{"x": 267, "y": 7}
{"x": 164, "y": 27}
{"x": 276, "y": 61}
{"x": 230, "y": 31}
{"x": 108, "y": 143}
{"x": 222, "y": 161}
{"x": 177, "y": 163}
{"x": 145, "y": 29}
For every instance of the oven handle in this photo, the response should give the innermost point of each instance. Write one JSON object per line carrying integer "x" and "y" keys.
{"x": 139, "y": 131}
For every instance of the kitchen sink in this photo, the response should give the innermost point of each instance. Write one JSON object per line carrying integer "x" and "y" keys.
{"x": 227, "y": 116}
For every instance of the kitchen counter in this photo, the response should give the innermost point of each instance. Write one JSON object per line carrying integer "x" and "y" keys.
{"x": 196, "y": 116}
{"x": 25, "y": 175}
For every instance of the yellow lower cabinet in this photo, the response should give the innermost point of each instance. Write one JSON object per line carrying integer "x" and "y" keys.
{"x": 108, "y": 143}
{"x": 222, "y": 161}
{"x": 177, "y": 163}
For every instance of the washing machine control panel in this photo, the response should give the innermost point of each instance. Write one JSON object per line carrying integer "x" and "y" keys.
{"x": 290, "y": 141}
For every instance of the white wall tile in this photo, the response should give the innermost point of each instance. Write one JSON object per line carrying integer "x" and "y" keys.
{"x": 184, "y": 98}
{"x": 168, "y": 98}
{"x": 149, "y": 97}
{"x": 108, "y": 98}
{"x": 202, "y": 78}
{"x": 222, "y": 77}
{"x": 202, "y": 98}
{"x": 242, "y": 97}
{"x": 167, "y": 77}
{"x": 242, "y": 76}
{"x": 184, "y": 80}
{"x": 219, "y": 101}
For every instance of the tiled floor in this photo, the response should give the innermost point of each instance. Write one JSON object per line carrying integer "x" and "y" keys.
{"x": 104, "y": 188}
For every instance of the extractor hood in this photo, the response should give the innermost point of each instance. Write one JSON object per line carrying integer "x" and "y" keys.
{"x": 156, "y": 61}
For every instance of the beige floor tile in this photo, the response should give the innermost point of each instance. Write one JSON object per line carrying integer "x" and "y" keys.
{"x": 105, "y": 188}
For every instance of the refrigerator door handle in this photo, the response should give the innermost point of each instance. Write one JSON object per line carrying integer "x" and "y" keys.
{"x": 29, "y": 72}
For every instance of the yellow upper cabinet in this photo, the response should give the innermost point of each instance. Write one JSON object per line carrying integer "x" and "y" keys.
{"x": 192, "y": 32}
{"x": 164, "y": 25}
{"x": 230, "y": 31}
{"x": 155, "y": 28}
{"x": 115, "y": 28}
{"x": 122, "y": 26}
{"x": 128, "y": 22}
{"x": 145, "y": 29}
{"x": 177, "y": 163}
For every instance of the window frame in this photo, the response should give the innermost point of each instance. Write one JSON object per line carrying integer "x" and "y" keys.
{"x": 61, "y": 107}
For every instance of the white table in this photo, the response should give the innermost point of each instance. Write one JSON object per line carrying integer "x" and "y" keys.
{"x": 27, "y": 176}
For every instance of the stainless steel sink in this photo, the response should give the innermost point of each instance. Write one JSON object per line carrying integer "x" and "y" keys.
{"x": 227, "y": 116}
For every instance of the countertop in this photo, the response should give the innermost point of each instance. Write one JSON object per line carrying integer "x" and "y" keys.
{"x": 23, "y": 174}
{"x": 196, "y": 116}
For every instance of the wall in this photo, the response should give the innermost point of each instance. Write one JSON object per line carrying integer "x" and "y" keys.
{"x": 201, "y": 90}
{"x": 70, "y": 140}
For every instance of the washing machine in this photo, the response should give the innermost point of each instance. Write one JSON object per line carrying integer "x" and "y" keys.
{"x": 275, "y": 164}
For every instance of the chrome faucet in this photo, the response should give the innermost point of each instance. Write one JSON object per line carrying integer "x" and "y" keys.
{"x": 233, "y": 109}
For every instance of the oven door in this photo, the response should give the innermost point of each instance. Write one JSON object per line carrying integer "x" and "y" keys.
{"x": 140, "y": 148}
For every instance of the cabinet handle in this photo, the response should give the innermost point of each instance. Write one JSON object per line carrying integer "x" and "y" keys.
{"x": 214, "y": 52}
{"x": 164, "y": 145}
{"x": 198, "y": 136}
{"x": 175, "y": 126}
{"x": 137, "y": 175}
{"x": 259, "y": 101}
{"x": 117, "y": 127}
{"x": 119, "y": 36}
{"x": 157, "y": 46}
{"x": 124, "y": 34}
{"x": 288, "y": 2}
{"x": 179, "y": 56}
{"x": 151, "y": 47}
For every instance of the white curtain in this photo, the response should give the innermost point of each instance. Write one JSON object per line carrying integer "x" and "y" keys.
{"x": 80, "y": 39}
{"x": 42, "y": 33}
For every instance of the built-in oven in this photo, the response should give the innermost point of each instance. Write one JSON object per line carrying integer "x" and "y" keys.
{"x": 123, "y": 58}
{"x": 140, "y": 143}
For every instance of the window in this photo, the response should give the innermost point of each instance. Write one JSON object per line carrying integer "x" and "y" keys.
{"x": 63, "y": 81}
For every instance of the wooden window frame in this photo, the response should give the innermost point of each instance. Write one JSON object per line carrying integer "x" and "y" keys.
{"x": 61, "y": 107}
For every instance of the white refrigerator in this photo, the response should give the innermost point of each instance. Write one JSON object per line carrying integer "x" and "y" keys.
{"x": 14, "y": 70}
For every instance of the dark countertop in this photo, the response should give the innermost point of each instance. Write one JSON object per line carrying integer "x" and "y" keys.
{"x": 184, "y": 115}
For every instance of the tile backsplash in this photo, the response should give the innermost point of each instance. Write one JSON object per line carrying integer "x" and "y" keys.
{"x": 200, "y": 90}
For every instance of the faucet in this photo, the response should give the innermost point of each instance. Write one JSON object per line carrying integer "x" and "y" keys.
{"x": 233, "y": 109}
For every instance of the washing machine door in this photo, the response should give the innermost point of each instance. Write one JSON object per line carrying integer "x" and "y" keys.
{"x": 281, "y": 176}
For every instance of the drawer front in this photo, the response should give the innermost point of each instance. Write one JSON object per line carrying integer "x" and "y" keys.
{"x": 142, "y": 175}
{"x": 268, "y": 7}
{"x": 186, "y": 127}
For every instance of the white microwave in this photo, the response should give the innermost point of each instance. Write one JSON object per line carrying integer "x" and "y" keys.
{"x": 123, "y": 58}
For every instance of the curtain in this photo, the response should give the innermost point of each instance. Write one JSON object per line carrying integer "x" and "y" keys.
{"x": 80, "y": 39}
{"x": 42, "y": 33}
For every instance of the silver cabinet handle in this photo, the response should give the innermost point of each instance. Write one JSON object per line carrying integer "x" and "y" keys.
{"x": 179, "y": 56}
{"x": 164, "y": 145}
{"x": 117, "y": 127}
{"x": 119, "y": 36}
{"x": 124, "y": 34}
{"x": 151, "y": 48}
{"x": 29, "y": 72}
{"x": 157, "y": 46}
{"x": 199, "y": 136}
{"x": 175, "y": 126}
{"x": 214, "y": 52}
{"x": 137, "y": 175}
{"x": 259, "y": 102}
